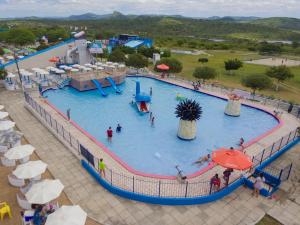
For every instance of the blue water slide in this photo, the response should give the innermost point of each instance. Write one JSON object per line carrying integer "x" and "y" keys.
{"x": 113, "y": 84}
{"x": 99, "y": 86}
{"x": 140, "y": 97}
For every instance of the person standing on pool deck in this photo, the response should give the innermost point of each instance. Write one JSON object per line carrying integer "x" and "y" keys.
{"x": 102, "y": 167}
{"x": 258, "y": 184}
{"x": 109, "y": 134}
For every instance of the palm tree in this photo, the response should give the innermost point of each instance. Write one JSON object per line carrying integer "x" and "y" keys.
{"x": 189, "y": 111}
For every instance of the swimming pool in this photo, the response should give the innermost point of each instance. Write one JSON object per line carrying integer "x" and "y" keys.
{"x": 156, "y": 150}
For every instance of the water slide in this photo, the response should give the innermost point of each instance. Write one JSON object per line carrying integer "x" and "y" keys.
{"x": 113, "y": 84}
{"x": 99, "y": 86}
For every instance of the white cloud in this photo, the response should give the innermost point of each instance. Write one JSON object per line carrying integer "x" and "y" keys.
{"x": 200, "y": 8}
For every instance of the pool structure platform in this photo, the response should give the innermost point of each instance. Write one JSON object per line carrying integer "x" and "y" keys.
{"x": 287, "y": 123}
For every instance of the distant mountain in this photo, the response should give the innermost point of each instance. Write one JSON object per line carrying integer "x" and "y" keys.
{"x": 92, "y": 16}
{"x": 234, "y": 18}
{"x": 279, "y": 22}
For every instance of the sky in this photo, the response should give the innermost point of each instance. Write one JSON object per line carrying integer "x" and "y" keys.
{"x": 191, "y": 8}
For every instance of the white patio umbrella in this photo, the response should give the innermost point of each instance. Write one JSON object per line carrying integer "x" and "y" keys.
{"x": 30, "y": 169}
{"x": 19, "y": 152}
{"x": 100, "y": 68}
{"x": 1, "y": 107}
{"x": 87, "y": 64}
{"x": 6, "y": 125}
{"x": 74, "y": 70}
{"x": 76, "y": 66}
{"x": 60, "y": 71}
{"x": 93, "y": 66}
{"x": 67, "y": 215}
{"x": 44, "y": 191}
{"x": 10, "y": 75}
{"x": 67, "y": 68}
{"x": 35, "y": 69}
{"x": 3, "y": 115}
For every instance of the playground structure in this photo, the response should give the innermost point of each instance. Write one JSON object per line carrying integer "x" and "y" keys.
{"x": 142, "y": 100}
{"x": 103, "y": 76}
{"x": 132, "y": 41}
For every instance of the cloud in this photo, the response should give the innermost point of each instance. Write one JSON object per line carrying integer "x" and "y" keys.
{"x": 196, "y": 8}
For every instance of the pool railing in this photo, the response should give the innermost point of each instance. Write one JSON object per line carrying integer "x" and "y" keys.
{"x": 154, "y": 190}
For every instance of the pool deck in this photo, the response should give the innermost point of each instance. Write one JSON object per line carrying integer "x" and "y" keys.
{"x": 289, "y": 123}
{"x": 238, "y": 208}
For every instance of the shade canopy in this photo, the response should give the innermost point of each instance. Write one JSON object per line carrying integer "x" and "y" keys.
{"x": 67, "y": 215}
{"x": 54, "y": 59}
{"x": 10, "y": 75}
{"x": 233, "y": 159}
{"x": 162, "y": 67}
{"x": 3, "y": 115}
{"x": 30, "y": 169}
{"x": 44, "y": 191}
{"x": 6, "y": 125}
{"x": 1, "y": 107}
{"x": 19, "y": 152}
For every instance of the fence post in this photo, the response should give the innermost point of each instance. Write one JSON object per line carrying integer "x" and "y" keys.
{"x": 288, "y": 176}
{"x": 272, "y": 149}
{"x": 280, "y": 174}
{"x": 210, "y": 189}
{"x": 262, "y": 156}
{"x": 111, "y": 178}
{"x": 295, "y": 134}
{"x": 50, "y": 120}
{"x": 62, "y": 128}
{"x": 133, "y": 184}
{"x": 70, "y": 139}
{"x": 78, "y": 146}
{"x": 280, "y": 143}
{"x": 186, "y": 188}
{"x": 288, "y": 138}
{"x": 159, "y": 182}
{"x": 56, "y": 126}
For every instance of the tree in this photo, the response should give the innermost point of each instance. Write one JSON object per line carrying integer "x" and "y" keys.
{"x": 205, "y": 73}
{"x": 147, "y": 52}
{"x": 117, "y": 56}
{"x": 42, "y": 46}
{"x": 269, "y": 48}
{"x": 104, "y": 55}
{"x": 280, "y": 73}
{"x": 256, "y": 82}
{"x": 126, "y": 49}
{"x": 203, "y": 60}
{"x": 2, "y": 51}
{"x": 165, "y": 53}
{"x": 137, "y": 61}
{"x": 233, "y": 64}
{"x": 56, "y": 34}
{"x": 174, "y": 65}
{"x": 20, "y": 37}
{"x": 3, "y": 73}
{"x": 295, "y": 44}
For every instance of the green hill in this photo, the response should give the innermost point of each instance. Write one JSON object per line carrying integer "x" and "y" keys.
{"x": 279, "y": 22}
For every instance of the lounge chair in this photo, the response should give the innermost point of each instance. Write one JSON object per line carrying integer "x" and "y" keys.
{"x": 23, "y": 203}
{"x": 14, "y": 181}
{"x": 8, "y": 163}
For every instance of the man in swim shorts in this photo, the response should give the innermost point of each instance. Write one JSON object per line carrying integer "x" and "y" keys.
{"x": 102, "y": 167}
{"x": 203, "y": 159}
{"x": 109, "y": 133}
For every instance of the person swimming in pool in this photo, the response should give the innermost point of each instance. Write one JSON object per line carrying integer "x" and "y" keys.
{"x": 203, "y": 159}
{"x": 119, "y": 128}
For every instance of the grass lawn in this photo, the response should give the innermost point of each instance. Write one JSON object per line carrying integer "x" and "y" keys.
{"x": 291, "y": 92}
{"x": 268, "y": 220}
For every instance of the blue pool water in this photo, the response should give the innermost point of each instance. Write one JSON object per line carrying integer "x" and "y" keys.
{"x": 157, "y": 149}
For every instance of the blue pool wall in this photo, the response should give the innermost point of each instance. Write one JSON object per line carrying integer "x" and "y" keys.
{"x": 182, "y": 201}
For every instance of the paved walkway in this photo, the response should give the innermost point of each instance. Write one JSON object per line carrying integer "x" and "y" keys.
{"x": 239, "y": 208}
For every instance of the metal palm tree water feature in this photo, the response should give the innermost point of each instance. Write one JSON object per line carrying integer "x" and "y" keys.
{"x": 189, "y": 111}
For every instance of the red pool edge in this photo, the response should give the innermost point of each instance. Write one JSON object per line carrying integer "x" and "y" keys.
{"x": 201, "y": 171}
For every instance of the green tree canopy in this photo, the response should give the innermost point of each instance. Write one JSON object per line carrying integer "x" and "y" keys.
{"x": 147, "y": 52}
{"x": 205, "y": 73}
{"x": 2, "y": 51}
{"x": 117, "y": 56}
{"x": 126, "y": 50}
{"x": 137, "y": 61}
{"x": 233, "y": 64}
{"x": 165, "y": 53}
{"x": 174, "y": 64}
{"x": 280, "y": 73}
{"x": 256, "y": 82}
{"x": 56, "y": 33}
{"x": 203, "y": 60}
{"x": 269, "y": 48}
{"x": 20, "y": 37}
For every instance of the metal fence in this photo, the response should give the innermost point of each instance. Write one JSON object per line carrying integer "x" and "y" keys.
{"x": 293, "y": 109}
{"x": 144, "y": 185}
